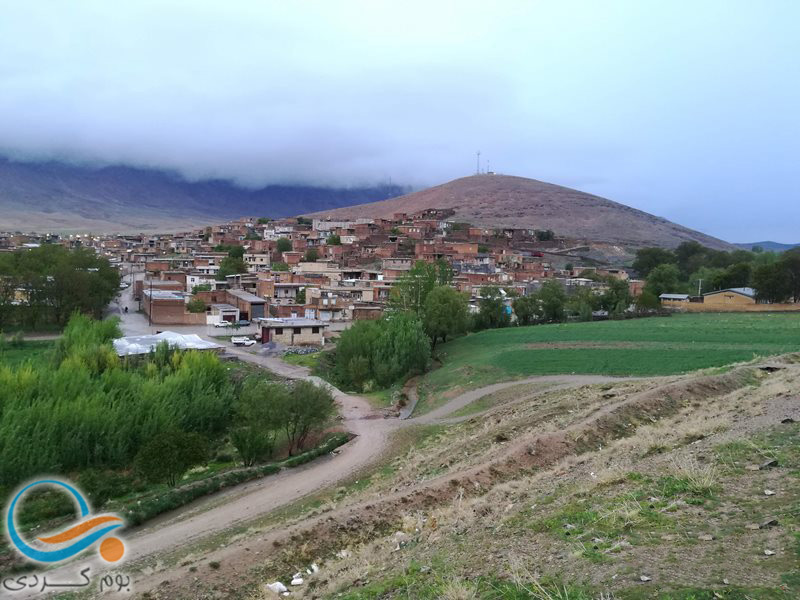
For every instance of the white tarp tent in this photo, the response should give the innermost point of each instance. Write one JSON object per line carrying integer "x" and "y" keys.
{"x": 144, "y": 344}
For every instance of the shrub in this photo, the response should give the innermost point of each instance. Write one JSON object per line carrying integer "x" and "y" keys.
{"x": 169, "y": 455}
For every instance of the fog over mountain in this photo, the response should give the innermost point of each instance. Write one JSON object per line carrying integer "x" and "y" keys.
{"x": 686, "y": 110}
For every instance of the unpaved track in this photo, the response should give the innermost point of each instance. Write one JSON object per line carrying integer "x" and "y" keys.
{"x": 249, "y": 501}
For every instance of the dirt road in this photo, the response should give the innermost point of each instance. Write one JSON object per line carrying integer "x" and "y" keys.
{"x": 249, "y": 501}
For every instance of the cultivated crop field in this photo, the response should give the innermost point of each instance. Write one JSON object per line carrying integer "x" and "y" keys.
{"x": 636, "y": 347}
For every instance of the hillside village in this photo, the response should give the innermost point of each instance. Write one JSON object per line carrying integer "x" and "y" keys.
{"x": 328, "y": 271}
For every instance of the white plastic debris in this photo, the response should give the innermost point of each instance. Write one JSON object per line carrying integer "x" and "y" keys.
{"x": 769, "y": 553}
{"x": 297, "y": 581}
{"x": 277, "y": 587}
{"x": 769, "y": 493}
{"x": 313, "y": 569}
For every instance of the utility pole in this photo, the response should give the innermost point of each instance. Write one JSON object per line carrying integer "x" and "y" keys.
{"x": 150, "y": 312}
{"x": 699, "y": 287}
{"x": 478, "y": 164}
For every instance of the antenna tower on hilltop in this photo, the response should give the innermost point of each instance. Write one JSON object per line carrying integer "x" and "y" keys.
{"x": 478, "y": 164}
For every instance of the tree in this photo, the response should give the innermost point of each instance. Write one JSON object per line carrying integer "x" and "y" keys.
{"x": 483, "y": 249}
{"x": 230, "y": 266}
{"x": 300, "y": 298}
{"x": 552, "y": 300}
{"x": 545, "y": 235}
{"x": 167, "y": 456}
{"x": 236, "y": 252}
{"x": 790, "y": 262}
{"x": 311, "y": 255}
{"x": 772, "y": 283}
{"x": 283, "y": 245}
{"x": 646, "y": 302}
{"x": 402, "y": 349}
{"x": 334, "y": 240}
{"x": 306, "y": 407}
{"x": 196, "y": 305}
{"x": 445, "y": 313}
{"x": 690, "y": 256}
{"x": 492, "y": 312}
{"x": 526, "y": 308}
{"x": 411, "y": 290}
{"x": 257, "y": 419}
{"x": 648, "y": 259}
{"x": 203, "y": 287}
{"x": 617, "y": 296}
{"x": 664, "y": 279}
{"x": 737, "y": 275}
{"x": 263, "y": 220}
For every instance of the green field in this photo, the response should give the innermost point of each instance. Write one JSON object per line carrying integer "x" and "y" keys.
{"x": 35, "y": 351}
{"x": 652, "y": 346}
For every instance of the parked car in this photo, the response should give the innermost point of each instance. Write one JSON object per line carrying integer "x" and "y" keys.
{"x": 242, "y": 340}
{"x": 222, "y": 324}
{"x": 243, "y": 323}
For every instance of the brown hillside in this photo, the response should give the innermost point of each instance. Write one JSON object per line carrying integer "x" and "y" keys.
{"x": 506, "y": 201}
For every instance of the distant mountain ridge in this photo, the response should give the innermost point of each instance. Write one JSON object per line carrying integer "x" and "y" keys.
{"x": 507, "y": 201}
{"x": 55, "y": 196}
{"x": 768, "y": 246}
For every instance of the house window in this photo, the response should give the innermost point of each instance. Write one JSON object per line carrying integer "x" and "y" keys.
{"x": 315, "y": 330}
{"x": 279, "y": 331}
{"x": 296, "y": 331}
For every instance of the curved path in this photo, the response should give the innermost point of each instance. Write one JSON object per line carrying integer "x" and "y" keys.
{"x": 249, "y": 501}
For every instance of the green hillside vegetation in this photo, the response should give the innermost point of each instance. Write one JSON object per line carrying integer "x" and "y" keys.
{"x": 655, "y": 346}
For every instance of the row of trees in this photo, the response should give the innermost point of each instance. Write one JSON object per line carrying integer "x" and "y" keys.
{"x": 693, "y": 268}
{"x": 46, "y": 285}
{"x": 84, "y": 408}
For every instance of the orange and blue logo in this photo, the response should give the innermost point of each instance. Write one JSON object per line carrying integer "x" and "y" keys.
{"x": 89, "y": 530}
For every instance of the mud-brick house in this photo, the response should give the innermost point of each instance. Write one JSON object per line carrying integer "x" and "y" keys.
{"x": 293, "y": 332}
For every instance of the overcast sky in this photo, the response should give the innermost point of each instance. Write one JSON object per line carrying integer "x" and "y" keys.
{"x": 689, "y": 109}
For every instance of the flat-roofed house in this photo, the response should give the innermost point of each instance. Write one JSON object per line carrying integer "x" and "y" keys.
{"x": 293, "y": 332}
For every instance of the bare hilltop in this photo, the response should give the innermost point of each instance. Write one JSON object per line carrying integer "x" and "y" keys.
{"x": 508, "y": 201}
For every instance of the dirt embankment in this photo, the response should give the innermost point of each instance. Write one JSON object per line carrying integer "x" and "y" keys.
{"x": 615, "y": 418}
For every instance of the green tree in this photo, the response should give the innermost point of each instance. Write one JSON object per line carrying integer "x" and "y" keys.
{"x": 257, "y": 419}
{"x": 236, "y": 252}
{"x": 617, "y": 295}
{"x": 664, "y": 279}
{"x": 790, "y": 263}
{"x": 334, "y": 240}
{"x": 305, "y": 408}
{"x": 312, "y": 255}
{"x": 168, "y": 455}
{"x": 492, "y": 312}
{"x": 737, "y": 275}
{"x": 445, "y": 313}
{"x": 646, "y": 301}
{"x": 230, "y": 266}
{"x": 196, "y": 305}
{"x": 552, "y": 300}
{"x": 772, "y": 283}
{"x": 411, "y": 290}
{"x": 203, "y": 287}
{"x": 300, "y": 298}
{"x": 402, "y": 349}
{"x": 648, "y": 259}
{"x": 263, "y": 220}
{"x": 527, "y": 309}
{"x": 283, "y": 245}
{"x": 279, "y": 266}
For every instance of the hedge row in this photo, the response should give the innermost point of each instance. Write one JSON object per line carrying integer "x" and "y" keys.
{"x": 144, "y": 510}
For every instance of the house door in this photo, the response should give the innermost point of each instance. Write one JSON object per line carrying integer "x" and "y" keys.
{"x": 265, "y": 335}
